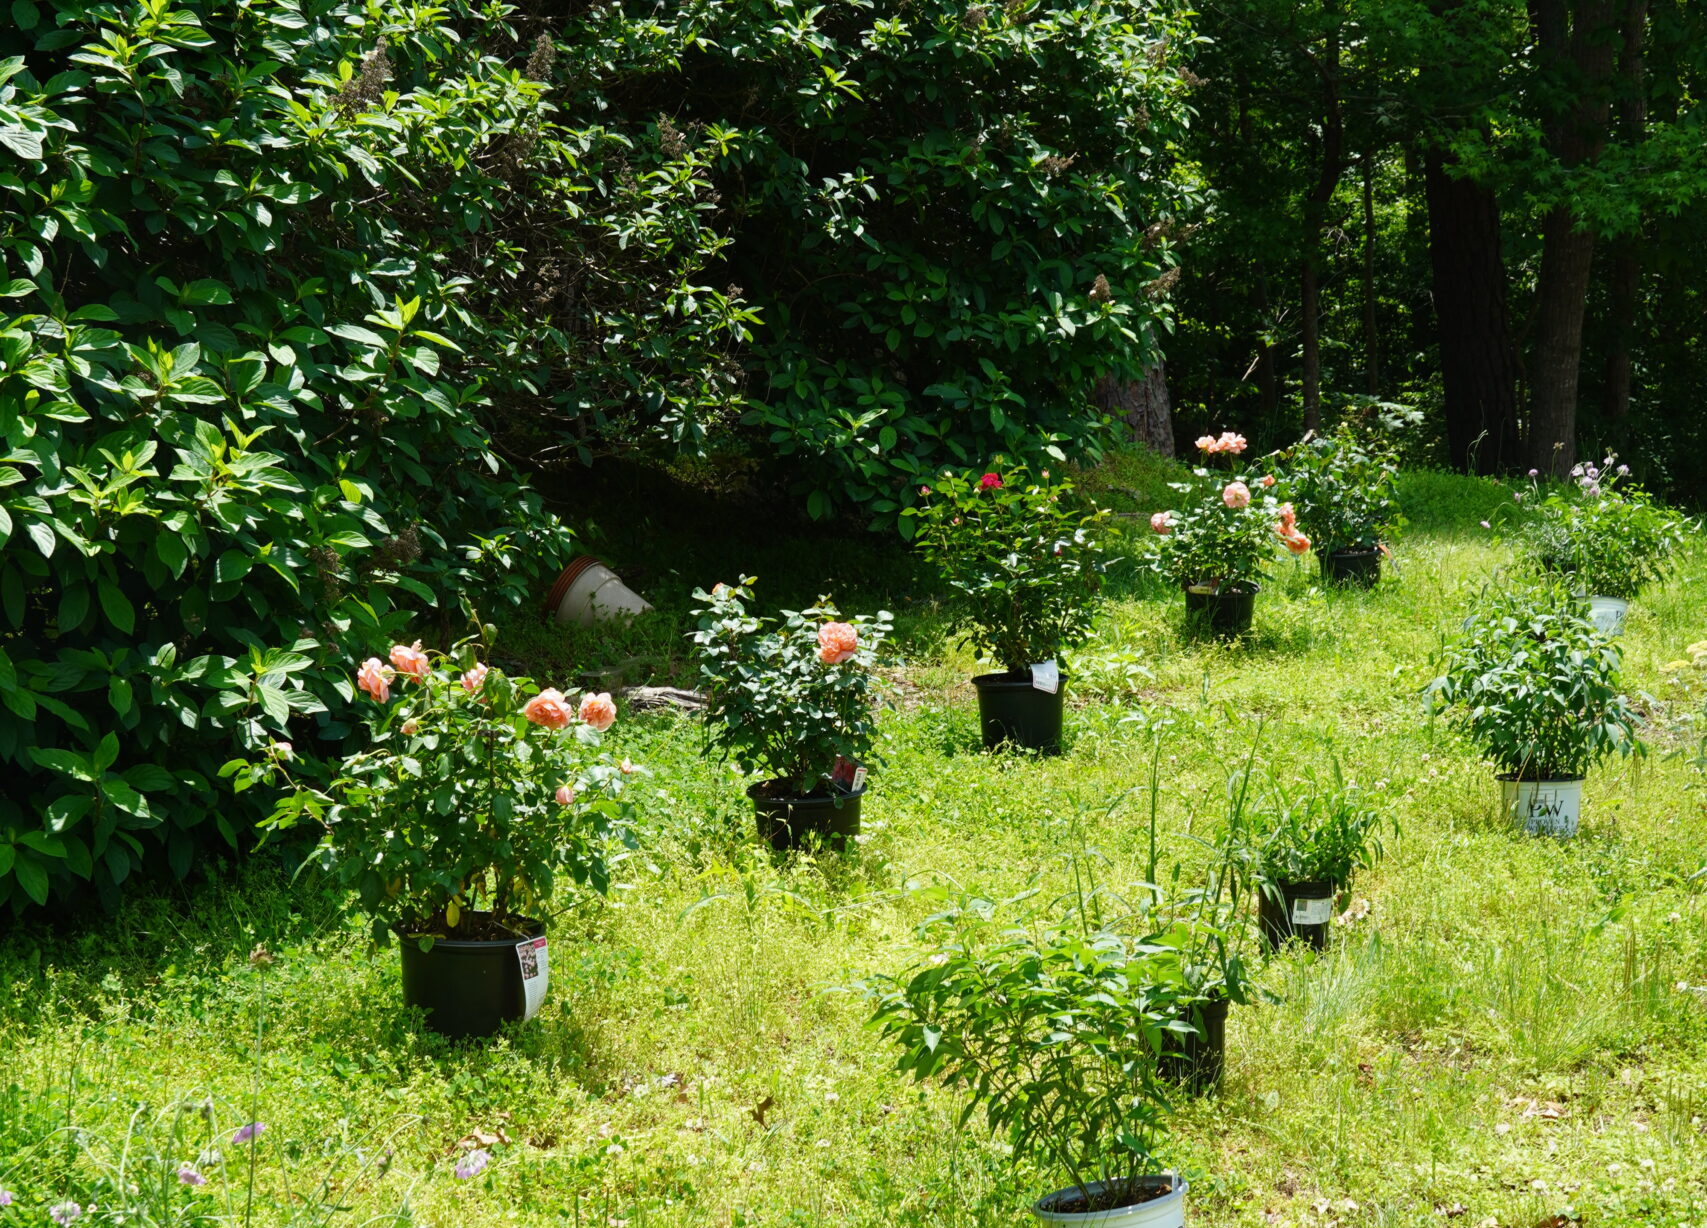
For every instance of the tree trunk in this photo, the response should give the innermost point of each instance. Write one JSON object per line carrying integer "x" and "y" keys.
{"x": 1144, "y": 405}
{"x": 1371, "y": 338}
{"x": 1478, "y": 361}
{"x": 1328, "y": 173}
{"x": 1625, "y": 278}
{"x": 1578, "y": 53}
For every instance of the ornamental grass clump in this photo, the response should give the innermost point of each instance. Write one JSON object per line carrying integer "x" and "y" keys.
{"x": 1316, "y": 830}
{"x": 1605, "y": 532}
{"x": 477, "y": 800}
{"x": 794, "y": 698}
{"x": 1535, "y": 685}
{"x": 1024, "y": 558}
{"x": 1055, "y": 1027}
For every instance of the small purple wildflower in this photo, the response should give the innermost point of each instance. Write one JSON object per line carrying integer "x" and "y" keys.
{"x": 1534, "y": 473}
{"x": 5, "y": 1198}
{"x": 187, "y": 1175}
{"x": 1517, "y": 496}
{"x": 1624, "y": 471}
{"x": 473, "y": 1164}
{"x": 249, "y": 1133}
{"x": 63, "y": 1213}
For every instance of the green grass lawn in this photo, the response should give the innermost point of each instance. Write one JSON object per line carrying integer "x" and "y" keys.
{"x": 1509, "y": 1034}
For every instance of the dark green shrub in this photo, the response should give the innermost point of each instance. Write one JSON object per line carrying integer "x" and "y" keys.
{"x": 274, "y": 274}
{"x": 951, "y": 218}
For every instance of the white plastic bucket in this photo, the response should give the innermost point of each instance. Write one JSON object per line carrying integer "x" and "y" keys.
{"x": 588, "y": 592}
{"x": 1608, "y": 613}
{"x": 1544, "y": 807}
{"x": 1168, "y": 1211}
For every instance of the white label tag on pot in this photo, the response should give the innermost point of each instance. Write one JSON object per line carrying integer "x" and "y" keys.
{"x": 536, "y": 972}
{"x": 858, "y": 779}
{"x": 1312, "y": 912}
{"x": 1046, "y": 676}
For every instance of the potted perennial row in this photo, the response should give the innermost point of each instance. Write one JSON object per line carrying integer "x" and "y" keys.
{"x": 1216, "y": 547}
{"x": 1608, "y": 536}
{"x": 1065, "y": 1059}
{"x": 794, "y": 699}
{"x": 477, "y": 799}
{"x": 1534, "y": 683}
{"x": 1025, "y": 562}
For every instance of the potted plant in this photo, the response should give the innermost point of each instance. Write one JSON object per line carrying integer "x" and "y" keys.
{"x": 1025, "y": 562}
{"x": 793, "y": 698}
{"x": 476, "y": 801}
{"x": 1608, "y": 535}
{"x": 1215, "y": 549}
{"x": 1302, "y": 846}
{"x": 1054, "y": 1027}
{"x": 1341, "y": 482}
{"x": 1534, "y": 683}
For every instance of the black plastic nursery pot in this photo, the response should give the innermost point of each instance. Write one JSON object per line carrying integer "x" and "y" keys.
{"x": 788, "y": 822}
{"x": 1201, "y": 1058}
{"x": 1304, "y": 911}
{"x": 1359, "y": 568}
{"x": 474, "y": 987}
{"x": 1225, "y": 615}
{"x": 1012, "y": 710}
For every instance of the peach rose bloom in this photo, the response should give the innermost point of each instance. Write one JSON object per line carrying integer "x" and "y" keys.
{"x": 598, "y": 710}
{"x": 548, "y": 708}
{"x": 1288, "y": 518}
{"x": 411, "y": 661}
{"x": 409, "y": 727}
{"x": 565, "y": 795}
{"x": 1206, "y": 443}
{"x": 473, "y": 678}
{"x": 1236, "y": 495}
{"x": 836, "y": 643}
{"x": 626, "y": 767}
{"x": 1161, "y": 523}
{"x": 375, "y": 679}
{"x": 1268, "y": 479}
{"x": 1297, "y": 543}
{"x": 1230, "y": 442}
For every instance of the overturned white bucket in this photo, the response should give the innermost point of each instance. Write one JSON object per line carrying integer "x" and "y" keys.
{"x": 1607, "y": 613}
{"x": 1544, "y": 807}
{"x": 588, "y": 592}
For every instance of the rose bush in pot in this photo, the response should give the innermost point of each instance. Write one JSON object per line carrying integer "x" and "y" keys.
{"x": 480, "y": 798}
{"x": 1342, "y": 484}
{"x": 1217, "y": 544}
{"x": 1025, "y": 561}
{"x": 794, "y": 699}
{"x": 1535, "y": 684}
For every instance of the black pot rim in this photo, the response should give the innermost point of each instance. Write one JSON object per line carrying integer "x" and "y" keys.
{"x": 1304, "y": 889}
{"x": 1238, "y": 588}
{"x": 1357, "y": 552}
{"x": 1009, "y": 680}
{"x": 1165, "y": 1185}
{"x": 1515, "y": 778}
{"x": 535, "y": 929}
{"x": 800, "y": 800}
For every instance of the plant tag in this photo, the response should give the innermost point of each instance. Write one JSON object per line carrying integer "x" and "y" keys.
{"x": 536, "y": 972}
{"x": 859, "y": 778}
{"x": 1313, "y": 912}
{"x": 1046, "y": 676}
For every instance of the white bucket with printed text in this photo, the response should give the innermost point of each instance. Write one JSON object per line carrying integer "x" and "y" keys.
{"x": 1607, "y": 613}
{"x": 1544, "y": 807}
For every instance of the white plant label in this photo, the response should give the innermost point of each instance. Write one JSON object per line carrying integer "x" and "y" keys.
{"x": 536, "y": 972}
{"x": 1548, "y": 810}
{"x": 1046, "y": 676}
{"x": 858, "y": 779}
{"x": 1312, "y": 912}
